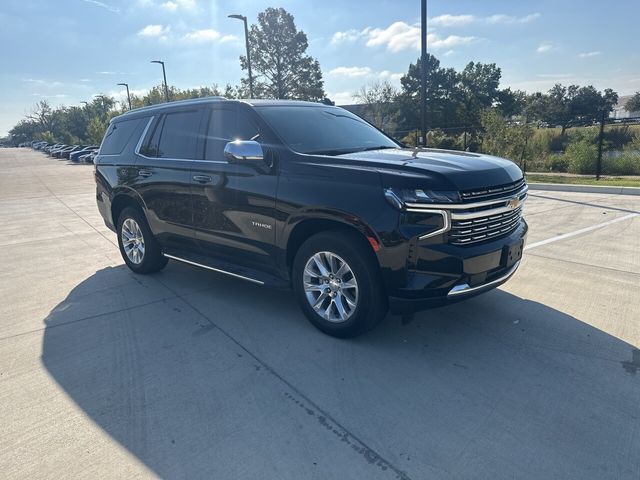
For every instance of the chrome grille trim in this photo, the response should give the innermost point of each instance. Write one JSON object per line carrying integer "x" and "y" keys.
{"x": 467, "y": 206}
{"x": 473, "y": 227}
{"x": 492, "y": 191}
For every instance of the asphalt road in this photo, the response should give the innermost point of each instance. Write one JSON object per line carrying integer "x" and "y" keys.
{"x": 189, "y": 374}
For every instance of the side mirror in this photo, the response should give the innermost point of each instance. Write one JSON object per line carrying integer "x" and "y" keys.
{"x": 240, "y": 150}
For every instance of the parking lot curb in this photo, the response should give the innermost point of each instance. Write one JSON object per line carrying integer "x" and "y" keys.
{"x": 564, "y": 187}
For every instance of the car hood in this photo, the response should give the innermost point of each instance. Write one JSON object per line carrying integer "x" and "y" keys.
{"x": 441, "y": 169}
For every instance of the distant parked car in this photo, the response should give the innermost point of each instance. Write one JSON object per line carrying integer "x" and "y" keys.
{"x": 67, "y": 153}
{"x": 64, "y": 153}
{"x": 52, "y": 151}
{"x": 89, "y": 157}
{"x": 75, "y": 156}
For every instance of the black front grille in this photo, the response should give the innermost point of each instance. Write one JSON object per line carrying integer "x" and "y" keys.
{"x": 482, "y": 228}
{"x": 489, "y": 193}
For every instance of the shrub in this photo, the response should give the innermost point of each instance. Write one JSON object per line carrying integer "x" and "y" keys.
{"x": 582, "y": 157}
{"x": 557, "y": 163}
{"x": 627, "y": 163}
{"x": 619, "y": 137}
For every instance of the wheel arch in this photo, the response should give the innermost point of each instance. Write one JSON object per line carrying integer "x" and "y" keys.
{"x": 304, "y": 229}
{"x": 123, "y": 199}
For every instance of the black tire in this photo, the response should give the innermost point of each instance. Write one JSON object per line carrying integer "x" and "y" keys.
{"x": 152, "y": 260}
{"x": 372, "y": 302}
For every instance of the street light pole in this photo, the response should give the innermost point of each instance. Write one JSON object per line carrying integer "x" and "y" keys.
{"x": 246, "y": 41}
{"x": 128, "y": 96}
{"x": 104, "y": 107}
{"x": 423, "y": 74}
{"x": 164, "y": 76}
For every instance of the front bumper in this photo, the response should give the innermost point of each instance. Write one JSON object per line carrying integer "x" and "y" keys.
{"x": 446, "y": 274}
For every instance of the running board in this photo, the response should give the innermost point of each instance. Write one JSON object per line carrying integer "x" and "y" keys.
{"x": 249, "y": 275}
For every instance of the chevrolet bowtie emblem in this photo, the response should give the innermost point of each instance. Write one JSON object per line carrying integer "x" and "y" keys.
{"x": 513, "y": 203}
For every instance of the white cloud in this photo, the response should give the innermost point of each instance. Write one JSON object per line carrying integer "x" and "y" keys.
{"x": 451, "y": 20}
{"x": 103, "y": 5}
{"x": 228, "y": 38}
{"x": 351, "y": 71}
{"x": 589, "y": 54}
{"x": 508, "y": 19}
{"x": 401, "y": 36}
{"x": 387, "y": 75}
{"x": 341, "y": 98}
{"x": 171, "y": 6}
{"x": 207, "y": 35}
{"x": 448, "y": 20}
{"x": 435, "y": 42}
{"x": 121, "y": 95}
{"x": 154, "y": 31}
{"x": 544, "y": 47}
{"x": 348, "y": 35}
{"x": 56, "y": 95}
{"x": 397, "y": 36}
{"x": 42, "y": 82}
{"x": 199, "y": 36}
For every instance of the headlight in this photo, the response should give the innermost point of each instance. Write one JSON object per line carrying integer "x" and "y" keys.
{"x": 398, "y": 197}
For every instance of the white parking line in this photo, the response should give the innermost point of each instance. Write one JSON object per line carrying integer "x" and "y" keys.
{"x": 579, "y": 232}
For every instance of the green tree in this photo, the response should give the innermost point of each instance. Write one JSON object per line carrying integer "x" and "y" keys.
{"x": 380, "y": 108}
{"x": 633, "y": 104}
{"x": 478, "y": 89}
{"x": 96, "y": 129}
{"x": 442, "y": 109}
{"x": 503, "y": 139}
{"x": 568, "y": 105}
{"x": 279, "y": 62}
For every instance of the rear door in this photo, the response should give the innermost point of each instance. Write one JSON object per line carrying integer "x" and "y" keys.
{"x": 234, "y": 202}
{"x": 163, "y": 169}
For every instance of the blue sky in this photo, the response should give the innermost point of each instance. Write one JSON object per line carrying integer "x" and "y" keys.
{"x": 66, "y": 51}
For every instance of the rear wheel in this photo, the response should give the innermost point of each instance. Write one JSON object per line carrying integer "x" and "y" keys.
{"x": 337, "y": 283}
{"x": 138, "y": 247}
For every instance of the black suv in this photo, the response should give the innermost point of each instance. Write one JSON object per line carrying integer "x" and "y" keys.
{"x": 309, "y": 196}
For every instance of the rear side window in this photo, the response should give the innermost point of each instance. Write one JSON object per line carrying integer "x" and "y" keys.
{"x": 179, "y": 137}
{"x": 118, "y": 135}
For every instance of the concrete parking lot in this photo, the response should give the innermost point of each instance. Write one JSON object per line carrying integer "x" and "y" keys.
{"x": 189, "y": 374}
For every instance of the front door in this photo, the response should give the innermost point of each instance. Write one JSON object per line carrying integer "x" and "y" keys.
{"x": 234, "y": 202}
{"x": 163, "y": 168}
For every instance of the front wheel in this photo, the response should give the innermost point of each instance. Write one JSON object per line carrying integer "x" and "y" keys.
{"x": 139, "y": 248}
{"x": 337, "y": 283}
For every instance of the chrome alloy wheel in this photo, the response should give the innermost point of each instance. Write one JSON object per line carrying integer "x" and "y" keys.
{"x": 132, "y": 241}
{"x": 330, "y": 287}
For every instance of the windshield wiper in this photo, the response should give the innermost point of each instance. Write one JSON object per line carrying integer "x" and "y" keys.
{"x": 379, "y": 147}
{"x": 346, "y": 151}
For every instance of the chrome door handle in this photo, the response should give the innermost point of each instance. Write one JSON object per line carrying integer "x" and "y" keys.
{"x": 202, "y": 178}
{"x": 145, "y": 173}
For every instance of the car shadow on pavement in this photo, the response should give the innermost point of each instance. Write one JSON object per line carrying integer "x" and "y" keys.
{"x": 200, "y": 376}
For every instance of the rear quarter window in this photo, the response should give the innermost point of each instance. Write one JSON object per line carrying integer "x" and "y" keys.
{"x": 118, "y": 136}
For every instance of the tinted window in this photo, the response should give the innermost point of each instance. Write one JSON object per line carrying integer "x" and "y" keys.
{"x": 323, "y": 129}
{"x": 226, "y": 125}
{"x": 118, "y": 135}
{"x": 150, "y": 147}
{"x": 179, "y": 136}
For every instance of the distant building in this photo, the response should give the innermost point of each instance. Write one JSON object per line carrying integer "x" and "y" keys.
{"x": 620, "y": 111}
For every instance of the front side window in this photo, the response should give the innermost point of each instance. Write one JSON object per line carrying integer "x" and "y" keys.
{"x": 179, "y": 136}
{"x": 226, "y": 125}
{"x": 323, "y": 130}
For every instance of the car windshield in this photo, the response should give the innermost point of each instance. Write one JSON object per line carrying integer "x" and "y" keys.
{"x": 323, "y": 130}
